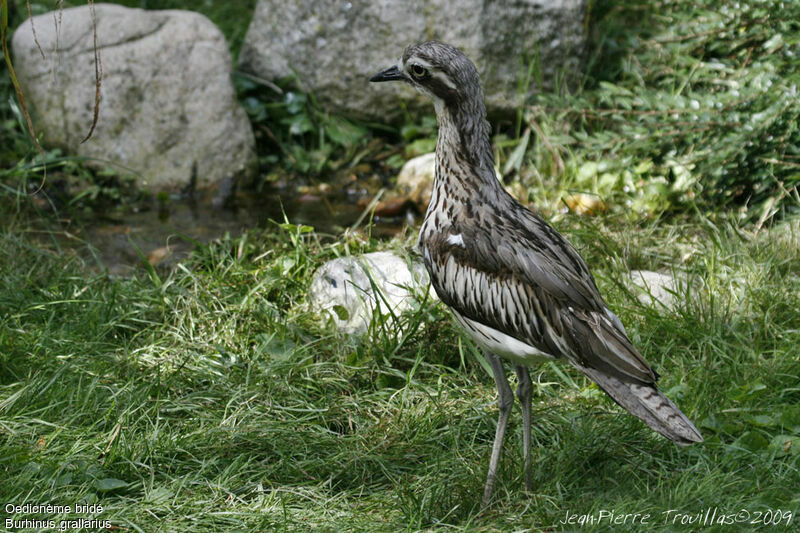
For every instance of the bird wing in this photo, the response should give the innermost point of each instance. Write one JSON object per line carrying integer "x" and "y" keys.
{"x": 536, "y": 252}
{"x": 521, "y": 277}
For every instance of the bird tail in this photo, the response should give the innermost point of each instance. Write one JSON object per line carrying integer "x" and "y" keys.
{"x": 651, "y": 406}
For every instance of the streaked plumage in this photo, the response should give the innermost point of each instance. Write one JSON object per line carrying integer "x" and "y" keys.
{"x": 519, "y": 289}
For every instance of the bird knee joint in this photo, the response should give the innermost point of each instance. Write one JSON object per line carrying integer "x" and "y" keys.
{"x": 505, "y": 403}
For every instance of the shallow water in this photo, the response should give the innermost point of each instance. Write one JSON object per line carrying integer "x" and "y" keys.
{"x": 165, "y": 233}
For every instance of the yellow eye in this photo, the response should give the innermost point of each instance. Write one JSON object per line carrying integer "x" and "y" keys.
{"x": 418, "y": 71}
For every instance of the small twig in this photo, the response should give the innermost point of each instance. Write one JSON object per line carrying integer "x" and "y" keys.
{"x": 769, "y": 207}
{"x": 18, "y": 90}
{"x": 114, "y": 435}
{"x": 98, "y": 74}
{"x": 747, "y": 59}
{"x": 260, "y": 80}
{"x": 779, "y": 162}
{"x": 33, "y": 30}
{"x": 263, "y": 127}
{"x": 57, "y": 20}
{"x": 386, "y": 155}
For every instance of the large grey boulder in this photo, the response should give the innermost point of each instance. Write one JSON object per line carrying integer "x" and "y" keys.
{"x": 351, "y": 290}
{"x": 334, "y": 47}
{"x": 167, "y": 101}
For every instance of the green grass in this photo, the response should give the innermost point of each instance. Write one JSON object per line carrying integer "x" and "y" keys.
{"x": 210, "y": 398}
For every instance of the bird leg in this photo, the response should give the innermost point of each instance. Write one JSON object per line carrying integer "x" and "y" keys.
{"x": 524, "y": 395}
{"x": 505, "y": 401}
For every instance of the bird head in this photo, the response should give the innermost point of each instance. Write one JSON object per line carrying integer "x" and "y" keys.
{"x": 438, "y": 70}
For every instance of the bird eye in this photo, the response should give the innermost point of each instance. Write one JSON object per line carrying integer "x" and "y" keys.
{"x": 418, "y": 71}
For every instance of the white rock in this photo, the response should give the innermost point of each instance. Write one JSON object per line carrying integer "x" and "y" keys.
{"x": 334, "y": 47}
{"x": 167, "y": 100}
{"x": 658, "y": 288}
{"x": 415, "y": 179}
{"x": 347, "y": 286}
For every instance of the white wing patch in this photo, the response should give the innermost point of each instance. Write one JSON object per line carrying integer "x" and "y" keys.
{"x": 456, "y": 240}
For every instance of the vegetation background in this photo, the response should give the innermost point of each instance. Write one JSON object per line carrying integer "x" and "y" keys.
{"x": 210, "y": 397}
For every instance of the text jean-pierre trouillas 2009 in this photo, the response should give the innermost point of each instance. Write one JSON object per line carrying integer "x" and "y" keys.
{"x": 709, "y": 516}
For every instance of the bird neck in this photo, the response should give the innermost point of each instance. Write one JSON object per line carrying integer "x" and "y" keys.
{"x": 464, "y": 168}
{"x": 463, "y": 142}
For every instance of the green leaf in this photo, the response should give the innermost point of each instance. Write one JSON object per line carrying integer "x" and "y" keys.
{"x": 343, "y": 132}
{"x": 295, "y": 102}
{"x": 300, "y": 124}
{"x": 341, "y": 312}
{"x": 586, "y": 172}
{"x": 644, "y": 166}
{"x": 421, "y": 146}
{"x": 753, "y": 441}
{"x": 514, "y": 161}
{"x": 764, "y": 421}
{"x": 773, "y": 43}
{"x": 109, "y": 484}
{"x": 298, "y": 228}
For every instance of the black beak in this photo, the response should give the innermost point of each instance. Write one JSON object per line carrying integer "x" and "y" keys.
{"x": 390, "y": 74}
